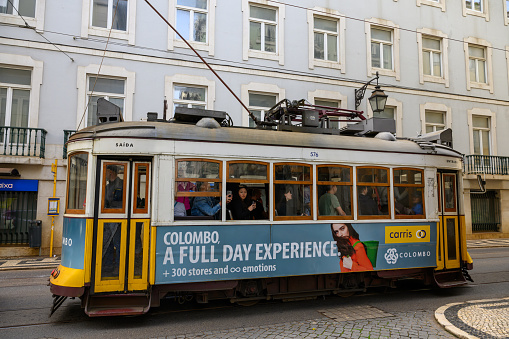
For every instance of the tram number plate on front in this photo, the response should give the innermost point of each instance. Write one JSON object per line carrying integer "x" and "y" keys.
{"x": 313, "y": 154}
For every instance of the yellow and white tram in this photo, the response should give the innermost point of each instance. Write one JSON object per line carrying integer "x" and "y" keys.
{"x": 124, "y": 249}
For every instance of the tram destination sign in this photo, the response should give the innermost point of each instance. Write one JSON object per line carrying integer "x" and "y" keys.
{"x": 226, "y": 252}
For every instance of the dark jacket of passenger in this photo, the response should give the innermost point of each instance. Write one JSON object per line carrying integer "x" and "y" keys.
{"x": 239, "y": 210}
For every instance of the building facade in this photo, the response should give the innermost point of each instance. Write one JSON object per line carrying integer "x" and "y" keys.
{"x": 444, "y": 64}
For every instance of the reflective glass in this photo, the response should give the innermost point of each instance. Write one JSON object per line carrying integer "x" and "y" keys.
{"x": 451, "y": 239}
{"x": 111, "y": 250}
{"x": 141, "y": 188}
{"x": 387, "y": 56}
{"x": 476, "y": 52}
{"x": 478, "y": 5}
{"x": 198, "y": 169}
{"x": 26, "y": 8}
{"x": 100, "y": 13}
{"x": 255, "y": 36}
{"x": 15, "y": 76}
{"x": 431, "y": 44}
{"x": 332, "y": 48}
{"x": 435, "y": 117}
{"x": 480, "y": 121}
{"x": 138, "y": 250}
{"x": 76, "y": 194}
{"x": 106, "y": 85}
{"x": 258, "y": 115}
{"x": 20, "y": 107}
{"x": 406, "y": 176}
{"x": 3, "y": 107}
{"x": 200, "y": 27}
{"x": 485, "y": 136}
{"x": 372, "y": 175}
{"x": 481, "y": 68}
{"x": 387, "y": 113}
{"x": 449, "y": 192}
{"x": 270, "y": 38}
{"x": 426, "y": 62}
{"x": 183, "y": 23}
{"x": 326, "y": 25}
{"x": 247, "y": 171}
{"x": 319, "y": 46}
{"x": 189, "y": 93}
{"x": 119, "y": 15}
{"x": 380, "y": 34}
{"x": 262, "y": 100}
{"x": 201, "y": 4}
{"x": 114, "y": 195}
{"x": 292, "y": 172}
{"x": 437, "y": 65}
{"x": 92, "y": 108}
{"x": 375, "y": 55}
{"x": 262, "y": 13}
{"x": 477, "y": 142}
{"x": 471, "y": 67}
{"x": 334, "y": 174}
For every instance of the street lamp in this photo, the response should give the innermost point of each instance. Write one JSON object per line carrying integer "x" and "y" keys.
{"x": 377, "y": 99}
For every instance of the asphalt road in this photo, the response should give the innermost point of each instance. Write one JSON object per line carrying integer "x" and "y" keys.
{"x": 25, "y": 302}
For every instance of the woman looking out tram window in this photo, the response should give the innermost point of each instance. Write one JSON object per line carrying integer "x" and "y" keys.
{"x": 242, "y": 208}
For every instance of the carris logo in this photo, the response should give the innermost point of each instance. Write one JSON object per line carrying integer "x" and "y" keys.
{"x": 2, "y": 185}
{"x": 391, "y": 256}
{"x": 421, "y": 234}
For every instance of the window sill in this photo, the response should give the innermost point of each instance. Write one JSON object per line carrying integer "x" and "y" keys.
{"x": 480, "y": 85}
{"x": 477, "y": 13}
{"x": 201, "y": 46}
{"x": 386, "y": 72}
{"x": 16, "y": 20}
{"x": 327, "y": 64}
{"x": 431, "y": 78}
{"x": 264, "y": 55}
{"x": 103, "y": 32}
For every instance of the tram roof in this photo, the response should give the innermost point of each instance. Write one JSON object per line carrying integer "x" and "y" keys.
{"x": 252, "y": 136}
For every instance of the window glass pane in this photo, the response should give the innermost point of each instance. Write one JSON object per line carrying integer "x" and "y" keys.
{"x": 387, "y": 113}
{"x": 334, "y": 200}
{"x": 76, "y": 194}
{"x": 200, "y": 27}
{"x": 335, "y": 174}
{"x": 105, "y": 85}
{"x": 387, "y": 57}
{"x": 119, "y": 15}
{"x": 189, "y": 93}
{"x": 92, "y": 108}
{"x": 478, "y": 5}
{"x": 426, "y": 62}
{"x": 262, "y": 100}
{"x": 262, "y": 13}
{"x": 375, "y": 55}
{"x": 471, "y": 67}
{"x": 437, "y": 64}
{"x": 27, "y": 8}
{"x": 380, "y": 34}
{"x": 114, "y": 194}
{"x": 481, "y": 67}
{"x": 334, "y": 104}
{"x": 326, "y": 25}
{"x": 435, "y": 117}
{"x": 476, "y": 52}
{"x": 20, "y": 107}
{"x": 292, "y": 172}
{"x": 247, "y": 171}
{"x": 201, "y": 4}
{"x": 198, "y": 169}
{"x": 332, "y": 48}
{"x": 3, "y": 107}
{"x": 449, "y": 192}
{"x": 138, "y": 250}
{"x": 290, "y": 200}
{"x": 141, "y": 187}
{"x": 255, "y": 36}
{"x": 6, "y": 7}
{"x": 270, "y": 38}
{"x": 15, "y": 76}
{"x": 368, "y": 198}
{"x": 479, "y": 121}
{"x": 451, "y": 239}
{"x": 100, "y": 13}
{"x": 411, "y": 203}
{"x": 111, "y": 250}
{"x": 258, "y": 115}
{"x": 429, "y": 129}
{"x": 319, "y": 46}
{"x": 183, "y": 23}
{"x": 485, "y": 135}
{"x": 477, "y": 142}
{"x": 372, "y": 175}
{"x": 406, "y": 176}
{"x": 431, "y": 44}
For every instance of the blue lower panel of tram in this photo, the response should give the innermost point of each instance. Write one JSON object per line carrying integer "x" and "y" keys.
{"x": 208, "y": 253}
{"x": 73, "y": 242}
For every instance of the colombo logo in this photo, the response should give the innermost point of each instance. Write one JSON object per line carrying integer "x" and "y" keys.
{"x": 391, "y": 256}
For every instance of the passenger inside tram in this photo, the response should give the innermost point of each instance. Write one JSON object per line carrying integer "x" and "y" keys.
{"x": 206, "y": 206}
{"x": 367, "y": 206}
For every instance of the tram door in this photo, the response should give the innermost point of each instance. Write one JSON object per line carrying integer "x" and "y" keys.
{"x": 448, "y": 232}
{"x": 122, "y": 226}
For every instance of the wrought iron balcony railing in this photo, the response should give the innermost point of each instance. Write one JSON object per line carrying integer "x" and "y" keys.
{"x": 487, "y": 164}
{"x": 67, "y": 135}
{"x": 22, "y": 141}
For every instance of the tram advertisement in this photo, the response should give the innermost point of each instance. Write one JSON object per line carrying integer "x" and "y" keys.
{"x": 206, "y": 253}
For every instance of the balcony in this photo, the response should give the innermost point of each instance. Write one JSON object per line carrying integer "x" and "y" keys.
{"x": 486, "y": 164}
{"x": 22, "y": 141}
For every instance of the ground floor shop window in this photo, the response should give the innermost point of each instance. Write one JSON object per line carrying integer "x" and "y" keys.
{"x": 17, "y": 210}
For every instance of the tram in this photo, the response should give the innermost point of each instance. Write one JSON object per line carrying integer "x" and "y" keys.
{"x": 134, "y": 234}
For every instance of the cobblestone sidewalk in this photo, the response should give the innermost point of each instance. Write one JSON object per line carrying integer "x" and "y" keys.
{"x": 28, "y": 263}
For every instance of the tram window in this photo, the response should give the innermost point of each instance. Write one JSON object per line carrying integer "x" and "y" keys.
{"x": 292, "y": 191}
{"x": 77, "y": 183}
{"x": 248, "y": 182}
{"x": 408, "y": 193}
{"x": 334, "y": 188}
{"x": 198, "y": 187}
{"x": 113, "y": 187}
{"x": 141, "y": 186}
{"x": 449, "y": 192}
{"x": 373, "y": 196}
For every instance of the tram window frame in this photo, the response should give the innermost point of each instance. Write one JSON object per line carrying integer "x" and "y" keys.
{"x": 455, "y": 198}
{"x": 249, "y": 182}
{"x": 439, "y": 189}
{"x": 360, "y": 183}
{"x": 121, "y": 210}
{"x": 193, "y": 194}
{"x": 76, "y": 210}
{"x": 292, "y": 182}
{"x": 143, "y": 210}
{"x": 348, "y": 183}
{"x": 411, "y": 187}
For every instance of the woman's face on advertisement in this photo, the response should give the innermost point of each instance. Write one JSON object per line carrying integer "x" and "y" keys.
{"x": 340, "y": 230}
{"x": 243, "y": 193}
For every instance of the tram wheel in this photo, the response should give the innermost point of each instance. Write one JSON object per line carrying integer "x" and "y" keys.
{"x": 247, "y": 303}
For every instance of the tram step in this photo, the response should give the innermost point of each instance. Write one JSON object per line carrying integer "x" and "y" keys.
{"x": 117, "y": 304}
{"x": 448, "y": 279}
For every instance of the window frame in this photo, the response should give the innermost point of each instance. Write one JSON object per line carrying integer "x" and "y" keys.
{"x": 37, "y": 21}
{"x": 395, "y": 33}
{"x": 87, "y": 28}
{"x": 493, "y": 123}
{"x": 483, "y": 13}
{"x": 431, "y": 106}
{"x": 258, "y": 88}
{"x": 280, "y": 17}
{"x": 122, "y": 210}
{"x": 433, "y": 3}
{"x": 292, "y": 182}
{"x": 67, "y": 209}
{"x": 174, "y": 41}
{"x": 144, "y": 210}
{"x": 444, "y": 44}
{"x": 506, "y": 12}
{"x": 455, "y": 209}
{"x": 480, "y": 43}
{"x": 359, "y": 183}
{"x": 422, "y": 186}
{"x": 176, "y": 179}
{"x": 327, "y": 14}
{"x": 105, "y": 71}
{"x": 191, "y": 81}
{"x": 105, "y": 95}
{"x": 335, "y": 183}
{"x": 398, "y": 113}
